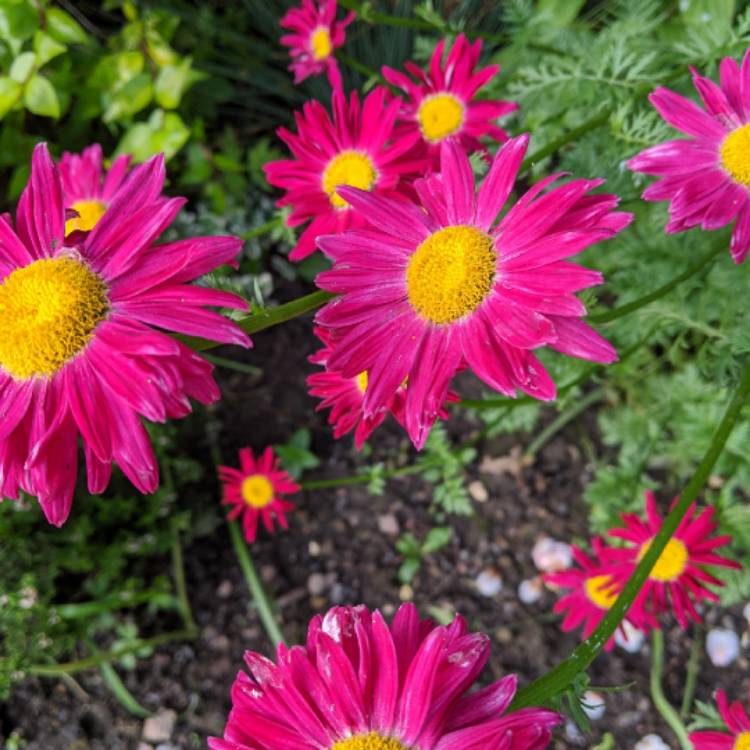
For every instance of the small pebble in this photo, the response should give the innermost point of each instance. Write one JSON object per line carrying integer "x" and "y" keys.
{"x": 573, "y": 734}
{"x": 629, "y": 638}
{"x": 406, "y": 593}
{"x": 316, "y": 584}
{"x": 225, "y": 590}
{"x": 158, "y": 728}
{"x": 489, "y": 583}
{"x": 651, "y": 742}
{"x": 145, "y": 746}
{"x": 746, "y": 613}
{"x": 551, "y": 556}
{"x": 388, "y": 524}
{"x": 530, "y": 590}
{"x": 593, "y": 705}
{"x": 313, "y": 548}
{"x": 723, "y": 646}
{"x": 478, "y": 491}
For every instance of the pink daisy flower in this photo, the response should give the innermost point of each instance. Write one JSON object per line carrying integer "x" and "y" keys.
{"x": 678, "y": 580}
{"x": 706, "y": 177}
{"x": 87, "y": 190}
{"x": 80, "y": 352}
{"x": 345, "y": 396}
{"x": 431, "y": 286}
{"x": 441, "y": 103}
{"x": 255, "y": 490}
{"x": 359, "y": 684}
{"x": 354, "y": 148}
{"x": 316, "y": 34}
{"x": 738, "y": 725}
{"x": 590, "y": 591}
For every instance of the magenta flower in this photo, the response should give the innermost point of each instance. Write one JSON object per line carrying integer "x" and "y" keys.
{"x": 359, "y": 684}
{"x": 738, "y": 725}
{"x": 255, "y": 490}
{"x": 705, "y": 177}
{"x": 80, "y": 352}
{"x": 345, "y": 397}
{"x": 316, "y": 34}
{"x": 678, "y": 580}
{"x": 442, "y": 101}
{"x": 354, "y": 148}
{"x": 87, "y": 190}
{"x": 432, "y": 285}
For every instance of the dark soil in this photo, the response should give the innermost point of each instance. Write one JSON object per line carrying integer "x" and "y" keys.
{"x": 341, "y": 549}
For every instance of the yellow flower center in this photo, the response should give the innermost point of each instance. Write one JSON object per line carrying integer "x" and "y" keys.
{"x": 735, "y": 154}
{"x": 440, "y": 115}
{"x": 257, "y": 491}
{"x": 49, "y": 310}
{"x": 742, "y": 742}
{"x": 348, "y": 168}
{"x": 671, "y": 563}
{"x": 451, "y": 273}
{"x": 89, "y": 213}
{"x": 320, "y": 41}
{"x": 362, "y": 381}
{"x": 371, "y": 741}
{"x": 599, "y": 592}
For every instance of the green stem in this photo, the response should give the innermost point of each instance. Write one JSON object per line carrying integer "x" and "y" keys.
{"x": 563, "y": 676}
{"x": 383, "y": 19}
{"x": 124, "y": 600}
{"x": 320, "y": 484}
{"x": 355, "y": 64}
{"x": 269, "y": 226}
{"x": 178, "y": 571}
{"x": 619, "y": 312}
{"x": 562, "y": 420}
{"x": 693, "y": 667}
{"x": 230, "y": 364}
{"x": 260, "y": 598}
{"x": 55, "y": 670}
{"x": 663, "y": 706}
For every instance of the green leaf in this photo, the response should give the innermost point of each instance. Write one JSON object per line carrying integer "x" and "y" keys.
{"x": 172, "y": 82}
{"x": 40, "y": 97}
{"x": 64, "y": 28}
{"x": 10, "y": 93}
{"x": 408, "y": 545}
{"x": 46, "y": 48}
{"x": 436, "y": 539}
{"x": 18, "y": 20}
{"x": 22, "y": 67}
{"x": 560, "y": 12}
{"x": 715, "y": 13}
{"x": 409, "y": 568}
{"x": 130, "y": 99}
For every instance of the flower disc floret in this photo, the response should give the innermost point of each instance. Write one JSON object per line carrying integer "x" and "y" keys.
{"x": 49, "y": 310}
{"x": 348, "y": 168}
{"x": 671, "y": 563}
{"x": 370, "y": 741}
{"x": 320, "y": 42}
{"x": 257, "y": 491}
{"x": 735, "y": 154}
{"x": 601, "y": 591}
{"x": 451, "y": 273}
{"x": 440, "y": 116}
{"x": 89, "y": 213}
{"x": 742, "y": 742}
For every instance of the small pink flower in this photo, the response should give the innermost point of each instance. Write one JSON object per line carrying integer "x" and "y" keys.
{"x": 431, "y": 286}
{"x": 678, "y": 580}
{"x": 255, "y": 490}
{"x": 354, "y": 148}
{"x": 706, "y": 177}
{"x": 87, "y": 190}
{"x": 85, "y": 349}
{"x": 442, "y": 101}
{"x": 359, "y": 684}
{"x": 737, "y": 736}
{"x": 345, "y": 396}
{"x": 590, "y": 590}
{"x": 316, "y": 35}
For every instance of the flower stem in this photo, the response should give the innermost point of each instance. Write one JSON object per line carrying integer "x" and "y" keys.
{"x": 693, "y": 667}
{"x": 230, "y": 364}
{"x": 55, "y": 670}
{"x": 259, "y": 231}
{"x": 663, "y": 706}
{"x": 647, "y": 299}
{"x": 320, "y": 484}
{"x": 260, "y": 597}
{"x": 178, "y": 572}
{"x": 562, "y": 677}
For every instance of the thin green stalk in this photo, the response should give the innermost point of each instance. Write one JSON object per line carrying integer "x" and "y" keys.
{"x": 260, "y": 598}
{"x": 178, "y": 572}
{"x": 562, "y": 677}
{"x": 663, "y": 706}
{"x": 647, "y": 299}
{"x": 375, "y": 17}
{"x": 562, "y": 420}
{"x": 230, "y": 364}
{"x": 55, "y": 670}
{"x": 124, "y": 600}
{"x": 693, "y": 668}
{"x": 355, "y": 64}
{"x": 269, "y": 226}
{"x": 320, "y": 484}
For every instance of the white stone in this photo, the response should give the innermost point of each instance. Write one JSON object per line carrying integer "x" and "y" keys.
{"x": 489, "y": 582}
{"x": 551, "y": 556}
{"x": 593, "y": 705}
{"x": 158, "y": 728}
{"x": 629, "y": 637}
{"x": 573, "y": 733}
{"x": 723, "y": 646}
{"x": 651, "y": 742}
{"x": 530, "y": 590}
{"x": 478, "y": 491}
{"x": 746, "y": 613}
